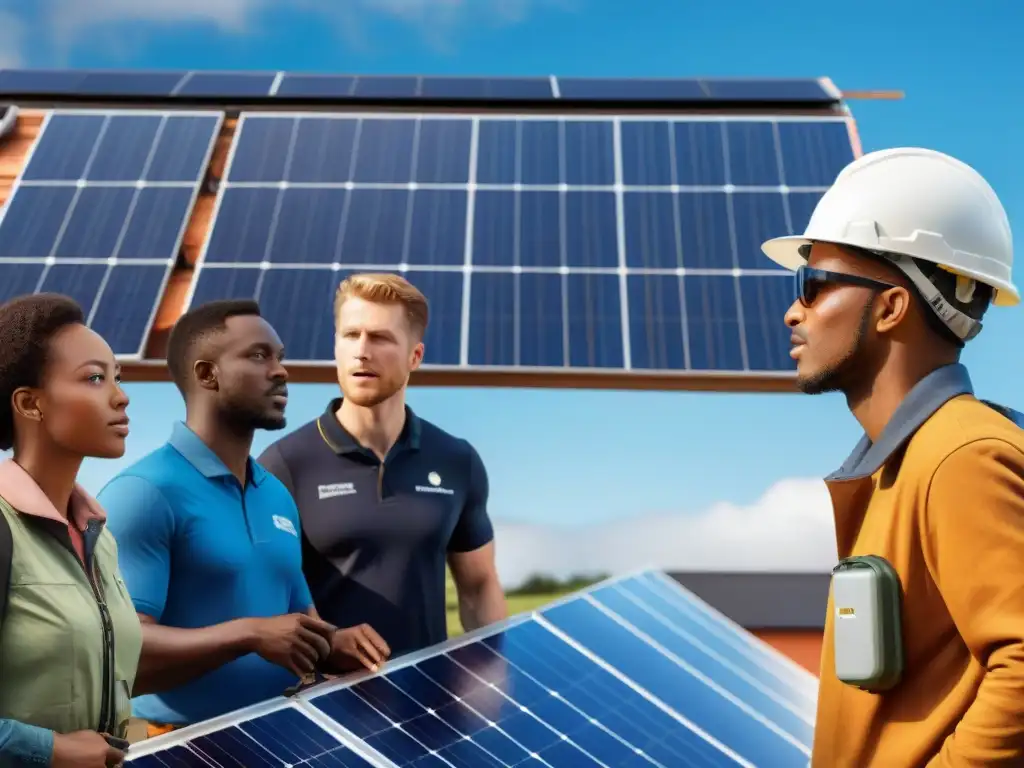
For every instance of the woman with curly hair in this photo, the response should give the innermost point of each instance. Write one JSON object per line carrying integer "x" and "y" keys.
{"x": 70, "y": 639}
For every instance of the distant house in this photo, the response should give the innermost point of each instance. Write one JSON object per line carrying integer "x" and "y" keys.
{"x": 786, "y": 610}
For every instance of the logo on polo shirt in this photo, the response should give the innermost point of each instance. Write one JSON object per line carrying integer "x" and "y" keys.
{"x": 335, "y": 489}
{"x": 435, "y": 485}
{"x": 284, "y": 524}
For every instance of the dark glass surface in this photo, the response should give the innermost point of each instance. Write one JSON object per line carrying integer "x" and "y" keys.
{"x": 765, "y": 301}
{"x": 647, "y": 153}
{"x": 740, "y": 649}
{"x": 225, "y": 283}
{"x": 700, "y": 153}
{"x": 261, "y": 150}
{"x": 813, "y": 153}
{"x": 375, "y": 227}
{"x": 498, "y": 701}
{"x": 386, "y": 86}
{"x": 18, "y": 279}
{"x": 653, "y": 230}
{"x": 768, "y": 90}
{"x": 595, "y": 321}
{"x": 129, "y": 299}
{"x": 442, "y": 155}
{"x": 516, "y": 319}
{"x": 706, "y": 661}
{"x": 499, "y": 88}
{"x": 728, "y": 720}
{"x": 590, "y": 234}
{"x": 589, "y": 152}
{"x": 759, "y": 216}
{"x": 705, "y": 230}
{"x": 63, "y": 150}
{"x": 307, "y": 334}
{"x": 572, "y": 88}
{"x": 801, "y": 206}
{"x": 182, "y": 149}
{"x": 32, "y": 221}
{"x": 82, "y": 282}
{"x": 362, "y": 212}
{"x": 126, "y": 222}
{"x": 227, "y": 84}
{"x": 88, "y": 83}
{"x": 712, "y": 321}
{"x": 242, "y": 230}
{"x": 313, "y": 86}
{"x": 120, "y": 148}
{"x": 323, "y": 151}
{"x": 498, "y": 159}
{"x": 123, "y": 148}
{"x": 386, "y": 151}
{"x": 282, "y": 738}
{"x": 753, "y": 154}
{"x": 656, "y": 322}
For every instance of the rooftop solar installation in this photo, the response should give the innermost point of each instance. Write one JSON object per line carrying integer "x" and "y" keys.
{"x": 584, "y": 243}
{"x": 297, "y": 85}
{"x": 633, "y": 672}
{"x": 99, "y": 211}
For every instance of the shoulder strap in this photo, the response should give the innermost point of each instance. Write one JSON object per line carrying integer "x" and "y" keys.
{"x": 6, "y": 556}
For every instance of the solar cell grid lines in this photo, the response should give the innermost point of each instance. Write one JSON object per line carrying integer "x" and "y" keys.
{"x": 634, "y": 672}
{"x": 100, "y": 209}
{"x": 545, "y": 242}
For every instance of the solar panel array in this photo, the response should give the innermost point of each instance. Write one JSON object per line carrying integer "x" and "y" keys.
{"x": 542, "y": 242}
{"x": 634, "y": 672}
{"x": 99, "y": 211}
{"x": 296, "y": 85}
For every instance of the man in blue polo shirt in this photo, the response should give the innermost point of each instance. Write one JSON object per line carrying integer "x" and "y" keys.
{"x": 209, "y": 541}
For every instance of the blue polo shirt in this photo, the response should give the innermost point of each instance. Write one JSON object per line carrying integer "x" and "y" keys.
{"x": 196, "y": 550}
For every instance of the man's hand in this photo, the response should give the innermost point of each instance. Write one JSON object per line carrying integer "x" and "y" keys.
{"x": 355, "y": 647}
{"x": 295, "y": 641}
{"x": 84, "y": 749}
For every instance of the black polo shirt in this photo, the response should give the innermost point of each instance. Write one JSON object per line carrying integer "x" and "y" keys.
{"x": 375, "y": 537}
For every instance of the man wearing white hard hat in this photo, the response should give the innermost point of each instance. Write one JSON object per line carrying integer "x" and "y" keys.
{"x": 923, "y": 655}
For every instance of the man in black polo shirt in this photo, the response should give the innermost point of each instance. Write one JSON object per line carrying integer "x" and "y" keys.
{"x": 385, "y": 497}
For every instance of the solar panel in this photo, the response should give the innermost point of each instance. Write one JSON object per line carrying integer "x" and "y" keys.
{"x": 633, "y": 672}
{"x": 246, "y": 85}
{"x": 542, "y": 242}
{"x": 100, "y": 209}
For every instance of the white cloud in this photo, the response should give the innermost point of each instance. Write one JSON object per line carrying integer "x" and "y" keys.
{"x": 790, "y": 528}
{"x": 63, "y": 23}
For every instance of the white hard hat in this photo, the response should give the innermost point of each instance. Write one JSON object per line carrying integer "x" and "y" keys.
{"x": 921, "y": 204}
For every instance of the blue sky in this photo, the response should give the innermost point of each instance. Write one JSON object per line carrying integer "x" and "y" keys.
{"x": 615, "y": 461}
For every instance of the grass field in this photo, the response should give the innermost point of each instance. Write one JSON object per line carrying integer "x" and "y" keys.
{"x": 516, "y": 604}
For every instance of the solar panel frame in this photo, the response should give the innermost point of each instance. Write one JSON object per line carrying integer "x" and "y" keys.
{"x": 21, "y": 182}
{"x": 175, "y": 84}
{"x": 622, "y": 269}
{"x": 639, "y": 580}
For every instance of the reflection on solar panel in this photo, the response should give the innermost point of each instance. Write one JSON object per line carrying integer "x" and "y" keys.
{"x": 99, "y": 212}
{"x": 278, "y": 85}
{"x": 542, "y": 242}
{"x": 635, "y": 672}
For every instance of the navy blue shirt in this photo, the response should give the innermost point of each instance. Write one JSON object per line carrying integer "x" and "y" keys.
{"x": 376, "y": 535}
{"x": 195, "y": 550}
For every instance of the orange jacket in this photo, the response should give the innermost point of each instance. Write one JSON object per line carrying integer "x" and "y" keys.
{"x": 941, "y": 497}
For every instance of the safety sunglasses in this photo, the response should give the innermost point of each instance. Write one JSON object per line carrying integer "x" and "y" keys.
{"x": 810, "y": 281}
